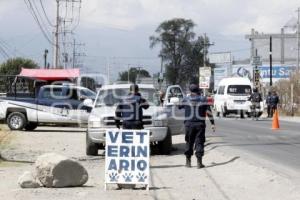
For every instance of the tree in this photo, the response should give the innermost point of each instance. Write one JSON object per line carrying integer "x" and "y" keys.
{"x": 13, "y": 66}
{"x": 133, "y": 74}
{"x": 182, "y": 53}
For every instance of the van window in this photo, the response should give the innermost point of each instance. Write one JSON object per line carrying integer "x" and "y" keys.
{"x": 239, "y": 89}
{"x": 221, "y": 90}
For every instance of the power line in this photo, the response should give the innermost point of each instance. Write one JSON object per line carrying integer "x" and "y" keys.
{"x": 32, "y": 12}
{"x": 46, "y": 16}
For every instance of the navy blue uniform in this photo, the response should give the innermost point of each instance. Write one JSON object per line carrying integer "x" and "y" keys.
{"x": 274, "y": 100}
{"x": 268, "y": 102}
{"x": 130, "y": 111}
{"x": 196, "y": 109}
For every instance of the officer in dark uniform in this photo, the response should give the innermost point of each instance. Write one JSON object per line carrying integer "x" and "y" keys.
{"x": 268, "y": 102}
{"x": 255, "y": 99}
{"x": 130, "y": 110}
{"x": 274, "y": 100}
{"x": 196, "y": 109}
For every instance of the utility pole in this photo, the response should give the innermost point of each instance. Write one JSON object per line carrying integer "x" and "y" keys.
{"x": 271, "y": 67}
{"x": 56, "y": 41}
{"x": 75, "y": 53}
{"x": 45, "y": 58}
{"x": 298, "y": 38}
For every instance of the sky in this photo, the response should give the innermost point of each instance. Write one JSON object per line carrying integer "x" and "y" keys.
{"x": 116, "y": 32}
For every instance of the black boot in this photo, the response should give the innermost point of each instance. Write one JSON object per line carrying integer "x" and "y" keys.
{"x": 188, "y": 162}
{"x": 199, "y": 163}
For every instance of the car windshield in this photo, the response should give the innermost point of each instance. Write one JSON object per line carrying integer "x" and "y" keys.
{"x": 112, "y": 97}
{"x": 88, "y": 93}
{"x": 239, "y": 90}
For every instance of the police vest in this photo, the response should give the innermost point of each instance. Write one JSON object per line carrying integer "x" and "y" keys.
{"x": 131, "y": 110}
{"x": 195, "y": 108}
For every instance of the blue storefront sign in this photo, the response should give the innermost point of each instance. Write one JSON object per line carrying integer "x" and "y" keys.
{"x": 277, "y": 71}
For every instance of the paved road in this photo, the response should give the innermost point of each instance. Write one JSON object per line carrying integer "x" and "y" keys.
{"x": 281, "y": 148}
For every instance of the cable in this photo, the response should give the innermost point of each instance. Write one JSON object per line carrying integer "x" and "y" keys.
{"x": 32, "y": 12}
{"x": 43, "y": 8}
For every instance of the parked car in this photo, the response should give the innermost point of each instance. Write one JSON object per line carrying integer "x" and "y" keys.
{"x": 55, "y": 104}
{"x": 162, "y": 118}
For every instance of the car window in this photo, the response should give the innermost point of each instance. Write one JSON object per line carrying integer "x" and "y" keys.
{"x": 88, "y": 93}
{"x": 114, "y": 96}
{"x": 52, "y": 93}
{"x": 71, "y": 93}
{"x": 221, "y": 90}
{"x": 175, "y": 92}
{"x": 239, "y": 89}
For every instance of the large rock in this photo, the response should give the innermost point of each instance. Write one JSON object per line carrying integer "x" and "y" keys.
{"x": 27, "y": 180}
{"x": 54, "y": 170}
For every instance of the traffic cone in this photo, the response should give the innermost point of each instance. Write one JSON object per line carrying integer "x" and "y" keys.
{"x": 275, "y": 123}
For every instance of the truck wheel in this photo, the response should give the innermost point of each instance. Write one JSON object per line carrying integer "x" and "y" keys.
{"x": 16, "y": 121}
{"x": 91, "y": 148}
{"x": 165, "y": 146}
{"x": 31, "y": 126}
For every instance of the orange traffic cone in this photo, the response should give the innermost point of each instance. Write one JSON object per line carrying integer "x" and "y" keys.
{"x": 275, "y": 123}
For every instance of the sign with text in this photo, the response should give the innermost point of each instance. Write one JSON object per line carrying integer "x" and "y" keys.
{"x": 204, "y": 77}
{"x": 127, "y": 156}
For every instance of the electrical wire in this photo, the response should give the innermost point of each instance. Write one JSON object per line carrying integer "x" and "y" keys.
{"x": 46, "y": 16}
{"x": 32, "y": 12}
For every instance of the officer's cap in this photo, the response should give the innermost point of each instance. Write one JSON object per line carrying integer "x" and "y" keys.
{"x": 194, "y": 88}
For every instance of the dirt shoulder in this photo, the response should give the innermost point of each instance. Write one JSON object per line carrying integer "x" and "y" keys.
{"x": 225, "y": 177}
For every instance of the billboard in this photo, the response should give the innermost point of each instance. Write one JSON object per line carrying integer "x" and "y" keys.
{"x": 220, "y": 72}
{"x": 220, "y": 57}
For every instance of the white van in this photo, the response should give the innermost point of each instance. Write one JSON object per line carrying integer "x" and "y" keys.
{"x": 232, "y": 97}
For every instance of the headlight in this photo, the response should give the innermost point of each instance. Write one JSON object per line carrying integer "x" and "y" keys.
{"x": 95, "y": 124}
{"x": 161, "y": 123}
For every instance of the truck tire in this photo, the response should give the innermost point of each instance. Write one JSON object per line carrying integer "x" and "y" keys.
{"x": 16, "y": 121}
{"x": 31, "y": 126}
{"x": 91, "y": 148}
{"x": 165, "y": 146}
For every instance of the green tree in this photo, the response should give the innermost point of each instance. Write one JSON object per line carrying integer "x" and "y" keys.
{"x": 133, "y": 74}
{"x": 13, "y": 66}
{"x": 181, "y": 52}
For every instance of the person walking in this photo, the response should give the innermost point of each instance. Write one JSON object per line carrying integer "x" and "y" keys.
{"x": 268, "y": 102}
{"x": 274, "y": 100}
{"x": 255, "y": 99}
{"x": 130, "y": 110}
{"x": 196, "y": 108}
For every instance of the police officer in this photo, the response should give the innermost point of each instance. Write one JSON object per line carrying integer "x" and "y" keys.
{"x": 130, "y": 110}
{"x": 255, "y": 99}
{"x": 268, "y": 102}
{"x": 196, "y": 108}
{"x": 274, "y": 100}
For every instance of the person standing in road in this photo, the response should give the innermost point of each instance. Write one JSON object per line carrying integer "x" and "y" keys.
{"x": 196, "y": 108}
{"x": 255, "y": 99}
{"x": 274, "y": 100}
{"x": 268, "y": 102}
{"x": 130, "y": 110}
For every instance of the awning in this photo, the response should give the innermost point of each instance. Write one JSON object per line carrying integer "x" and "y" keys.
{"x": 50, "y": 74}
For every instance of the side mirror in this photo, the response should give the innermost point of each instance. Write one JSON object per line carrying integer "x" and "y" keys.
{"x": 173, "y": 101}
{"x": 88, "y": 102}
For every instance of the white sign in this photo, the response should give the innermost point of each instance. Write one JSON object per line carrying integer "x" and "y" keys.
{"x": 220, "y": 57}
{"x": 204, "y": 77}
{"x": 127, "y": 156}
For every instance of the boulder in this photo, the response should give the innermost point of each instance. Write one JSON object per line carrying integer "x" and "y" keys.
{"x": 54, "y": 170}
{"x": 27, "y": 180}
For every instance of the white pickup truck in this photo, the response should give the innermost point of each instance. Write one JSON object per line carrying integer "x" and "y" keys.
{"x": 162, "y": 119}
{"x": 54, "y": 104}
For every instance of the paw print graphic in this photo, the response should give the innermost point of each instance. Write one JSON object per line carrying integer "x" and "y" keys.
{"x": 128, "y": 177}
{"x": 113, "y": 177}
{"x": 141, "y": 177}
